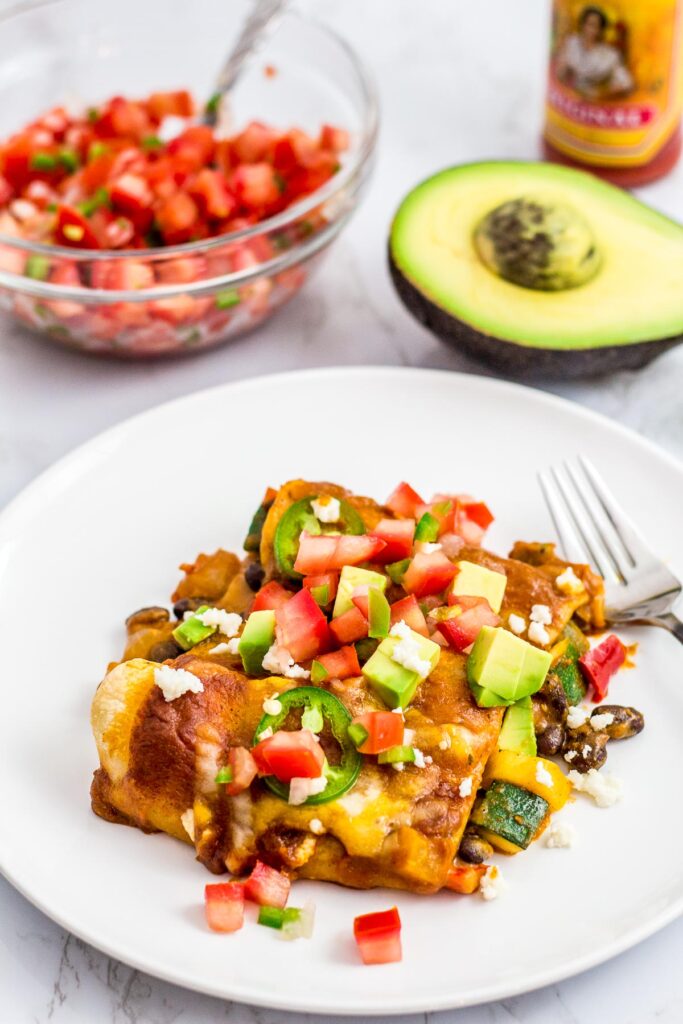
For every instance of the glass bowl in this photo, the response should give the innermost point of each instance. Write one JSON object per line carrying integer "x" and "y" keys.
{"x": 196, "y": 295}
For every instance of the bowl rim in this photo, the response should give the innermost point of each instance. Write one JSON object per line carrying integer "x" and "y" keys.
{"x": 361, "y": 156}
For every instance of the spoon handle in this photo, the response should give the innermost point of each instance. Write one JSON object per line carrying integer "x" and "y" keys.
{"x": 261, "y": 18}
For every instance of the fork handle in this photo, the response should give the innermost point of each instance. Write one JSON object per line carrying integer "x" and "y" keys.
{"x": 672, "y": 623}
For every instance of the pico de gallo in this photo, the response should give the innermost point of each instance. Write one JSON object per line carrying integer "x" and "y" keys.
{"x": 143, "y": 174}
{"x": 374, "y": 656}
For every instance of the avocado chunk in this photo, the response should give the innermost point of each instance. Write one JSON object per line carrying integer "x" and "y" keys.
{"x": 350, "y": 578}
{"x": 257, "y": 638}
{"x": 393, "y": 682}
{"x": 506, "y": 665}
{"x": 539, "y": 268}
{"x": 518, "y": 732}
{"x": 476, "y": 581}
{"x": 192, "y": 630}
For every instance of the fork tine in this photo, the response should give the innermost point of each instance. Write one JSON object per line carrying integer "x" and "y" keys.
{"x": 632, "y": 542}
{"x": 601, "y": 524}
{"x": 572, "y": 546}
{"x": 598, "y": 556}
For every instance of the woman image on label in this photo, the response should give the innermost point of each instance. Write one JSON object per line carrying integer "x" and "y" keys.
{"x": 589, "y": 64}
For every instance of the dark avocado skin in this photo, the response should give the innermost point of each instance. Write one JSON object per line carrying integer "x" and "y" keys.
{"x": 520, "y": 360}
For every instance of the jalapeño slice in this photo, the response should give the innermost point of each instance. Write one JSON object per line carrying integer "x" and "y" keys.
{"x": 298, "y": 517}
{"x": 312, "y": 701}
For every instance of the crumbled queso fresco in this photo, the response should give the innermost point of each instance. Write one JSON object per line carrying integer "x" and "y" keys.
{"x": 516, "y": 623}
{"x": 227, "y": 623}
{"x": 559, "y": 835}
{"x": 174, "y": 682}
{"x": 326, "y": 509}
{"x": 568, "y": 582}
{"x": 316, "y": 826}
{"x": 577, "y": 716}
{"x": 187, "y": 821}
{"x": 601, "y": 721}
{"x": 279, "y": 662}
{"x": 407, "y": 652}
{"x": 465, "y": 787}
{"x": 272, "y": 706}
{"x": 543, "y": 775}
{"x": 301, "y": 789}
{"x": 541, "y": 613}
{"x": 220, "y": 649}
{"x": 606, "y": 790}
{"x": 492, "y": 883}
{"x": 538, "y": 634}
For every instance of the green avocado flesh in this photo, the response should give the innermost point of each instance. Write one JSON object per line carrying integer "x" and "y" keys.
{"x": 543, "y": 256}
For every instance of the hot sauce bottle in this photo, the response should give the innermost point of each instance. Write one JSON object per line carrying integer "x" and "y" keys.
{"x": 615, "y": 88}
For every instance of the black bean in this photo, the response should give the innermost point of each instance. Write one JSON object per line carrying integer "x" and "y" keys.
{"x": 254, "y": 575}
{"x": 587, "y": 747}
{"x": 164, "y": 650}
{"x": 154, "y": 615}
{"x": 551, "y": 740}
{"x": 474, "y": 849}
{"x": 189, "y": 604}
{"x": 627, "y": 721}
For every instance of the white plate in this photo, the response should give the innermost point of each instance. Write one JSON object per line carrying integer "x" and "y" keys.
{"x": 100, "y": 534}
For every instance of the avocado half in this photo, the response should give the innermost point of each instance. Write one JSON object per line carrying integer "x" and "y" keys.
{"x": 539, "y": 269}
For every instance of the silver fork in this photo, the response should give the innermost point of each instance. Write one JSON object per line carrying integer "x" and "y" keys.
{"x": 592, "y": 527}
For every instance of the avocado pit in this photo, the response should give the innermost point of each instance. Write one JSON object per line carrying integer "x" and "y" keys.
{"x": 538, "y": 244}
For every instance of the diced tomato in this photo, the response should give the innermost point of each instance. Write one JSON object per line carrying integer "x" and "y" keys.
{"x": 322, "y": 554}
{"x": 73, "y": 229}
{"x": 315, "y": 555}
{"x": 255, "y": 185}
{"x": 342, "y": 664}
{"x": 349, "y": 627}
{"x": 131, "y": 193}
{"x": 122, "y": 275}
{"x": 65, "y": 309}
{"x": 266, "y": 886}
{"x": 404, "y": 501}
{"x": 179, "y": 309}
{"x": 353, "y": 549}
{"x": 271, "y": 597}
{"x": 193, "y": 148}
{"x": 254, "y": 144}
{"x": 123, "y": 117}
{"x": 224, "y": 906}
{"x": 177, "y": 218}
{"x": 463, "y": 629}
{"x": 409, "y": 611}
{"x": 361, "y": 600}
{"x": 244, "y": 770}
{"x": 465, "y": 878}
{"x": 384, "y": 729}
{"x": 290, "y": 755}
{"x": 600, "y": 663}
{"x": 181, "y": 270}
{"x": 170, "y": 104}
{"x": 303, "y": 627}
{"x": 336, "y": 139}
{"x": 398, "y": 535}
{"x": 6, "y": 191}
{"x": 428, "y": 573}
{"x": 479, "y": 513}
{"x": 324, "y": 579}
{"x": 210, "y": 192}
{"x": 379, "y": 936}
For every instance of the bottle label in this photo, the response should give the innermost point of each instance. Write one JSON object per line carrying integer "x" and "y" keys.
{"x": 615, "y": 88}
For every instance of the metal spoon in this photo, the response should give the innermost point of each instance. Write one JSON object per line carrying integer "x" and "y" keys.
{"x": 256, "y": 28}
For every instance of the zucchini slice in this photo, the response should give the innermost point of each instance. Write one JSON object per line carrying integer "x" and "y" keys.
{"x": 510, "y": 813}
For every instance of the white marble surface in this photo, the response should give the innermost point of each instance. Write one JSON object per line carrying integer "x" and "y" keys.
{"x": 458, "y": 81}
